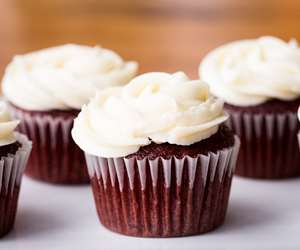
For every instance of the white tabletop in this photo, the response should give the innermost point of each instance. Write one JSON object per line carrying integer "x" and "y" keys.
{"x": 262, "y": 215}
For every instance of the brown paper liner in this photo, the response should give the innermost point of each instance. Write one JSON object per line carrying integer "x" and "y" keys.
{"x": 55, "y": 157}
{"x": 269, "y": 146}
{"x": 298, "y": 136}
{"x": 163, "y": 197}
{"x": 8, "y": 210}
{"x": 11, "y": 171}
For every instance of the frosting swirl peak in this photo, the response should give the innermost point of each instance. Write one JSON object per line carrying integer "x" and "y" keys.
{"x": 7, "y": 126}
{"x": 63, "y": 77}
{"x": 153, "y": 107}
{"x": 250, "y": 72}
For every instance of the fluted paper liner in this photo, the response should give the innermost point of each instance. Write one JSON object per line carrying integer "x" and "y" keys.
{"x": 298, "y": 136}
{"x": 163, "y": 197}
{"x": 269, "y": 146}
{"x": 11, "y": 171}
{"x": 55, "y": 157}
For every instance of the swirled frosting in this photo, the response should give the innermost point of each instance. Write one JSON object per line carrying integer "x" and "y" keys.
{"x": 153, "y": 107}
{"x": 63, "y": 77}
{"x": 7, "y": 126}
{"x": 251, "y": 72}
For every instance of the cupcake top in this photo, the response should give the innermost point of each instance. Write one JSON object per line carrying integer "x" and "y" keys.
{"x": 154, "y": 107}
{"x": 63, "y": 77}
{"x": 251, "y": 72}
{"x": 7, "y": 126}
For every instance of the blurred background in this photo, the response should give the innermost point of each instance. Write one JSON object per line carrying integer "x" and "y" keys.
{"x": 164, "y": 35}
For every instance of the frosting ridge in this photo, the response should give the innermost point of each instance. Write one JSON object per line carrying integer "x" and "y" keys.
{"x": 7, "y": 126}
{"x": 153, "y": 107}
{"x": 63, "y": 77}
{"x": 251, "y": 72}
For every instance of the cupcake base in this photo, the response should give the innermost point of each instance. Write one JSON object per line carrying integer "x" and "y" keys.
{"x": 268, "y": 133}
{"x": 160, "y": 211}
{"x": 8, "y": 210}
{"x": 298, "y": 136}
{"x": 164, "y": 197}
{"x": 55, "y": 157}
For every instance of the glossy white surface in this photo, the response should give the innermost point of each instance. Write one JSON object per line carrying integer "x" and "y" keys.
{"x": 262, "y": 215}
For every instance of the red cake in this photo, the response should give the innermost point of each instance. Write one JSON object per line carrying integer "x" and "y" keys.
{"x": 258, "y": 79}
{"x": 14, "y": 152}
{"x": 159, "y": 156}
{"x": 46, "y": 90}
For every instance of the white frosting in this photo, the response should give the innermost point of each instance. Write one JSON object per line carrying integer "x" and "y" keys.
{"x": 63, "y": 77}
{"x": 156, "y": 107}
{"x": 250, "y": 72}
{"x": 7, "y": 126}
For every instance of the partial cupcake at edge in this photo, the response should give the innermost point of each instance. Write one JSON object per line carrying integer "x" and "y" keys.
{"x": 46, "y": 90}
{"x": 14, "y": 152}
{"x": 259, "y": 79}
{"x": 159, "y": 156}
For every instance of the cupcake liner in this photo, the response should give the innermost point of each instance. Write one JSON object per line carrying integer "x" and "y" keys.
{"x": 298, "y": 136}
{"x": 269, "y": 147}
{"x": 55, "y": 157}
{"x": 163, "y": 197}
{"x": 11, "y": 171}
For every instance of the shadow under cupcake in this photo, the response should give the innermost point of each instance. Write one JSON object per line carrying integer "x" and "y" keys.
{"x": 159, "y": 157}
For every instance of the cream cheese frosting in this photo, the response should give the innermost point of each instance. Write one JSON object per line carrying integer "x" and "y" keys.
{"x": 7, "y": 126}
{"x": 153, "y": 107}
{"x": 251, "y": 72}
{"x": 63, "y": 77}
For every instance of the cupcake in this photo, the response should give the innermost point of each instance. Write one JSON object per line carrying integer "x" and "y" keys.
{"x": 46, "y": 90}
{"x": 14, "y": 152}
{"x": 159, "y": 156}
{"x": 259, "y": 80}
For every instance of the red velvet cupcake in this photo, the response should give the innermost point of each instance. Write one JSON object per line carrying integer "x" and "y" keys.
{"x": 159, "y": 157}
{"x": 46, "y": 90}
{"x": 259, "y": 80}
{"x": 14, "y": 152}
